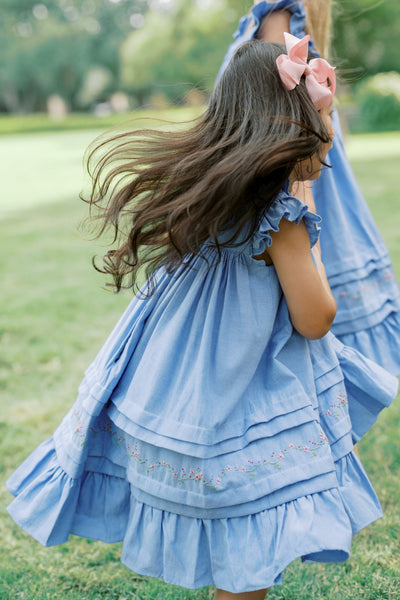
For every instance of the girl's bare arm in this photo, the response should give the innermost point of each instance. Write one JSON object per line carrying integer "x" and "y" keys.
{"x": 274, "y": 25}
{"x": 311, "y": 304}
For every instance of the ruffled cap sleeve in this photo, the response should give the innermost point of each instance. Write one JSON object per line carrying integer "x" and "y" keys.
{"x": 286, "y": 207}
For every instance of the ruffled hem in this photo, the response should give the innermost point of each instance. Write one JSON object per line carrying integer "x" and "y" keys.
{"x": 316, "y": 527}
{"x": 46, "y": 497}
{"x": 186, "y": 551}
{"x": 50, "y": 505}
{"x": 378, "y": 343}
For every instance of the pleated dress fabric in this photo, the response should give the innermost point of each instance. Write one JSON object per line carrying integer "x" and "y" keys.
{"x": 208, "y": 435}
{"x": 356, "y": 260}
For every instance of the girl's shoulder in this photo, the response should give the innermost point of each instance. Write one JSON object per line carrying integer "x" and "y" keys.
{"x": 285, "y": 206}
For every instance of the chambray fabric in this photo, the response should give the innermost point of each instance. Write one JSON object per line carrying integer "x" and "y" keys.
{"x": 356, "y": 259}
{"x": 208, "y": 435}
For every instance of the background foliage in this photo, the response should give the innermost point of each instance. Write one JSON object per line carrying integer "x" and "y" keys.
{"x": 86, "y": 50}
{"x": 366, "y": 34}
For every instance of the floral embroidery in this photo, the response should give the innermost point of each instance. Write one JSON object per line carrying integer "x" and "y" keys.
{"x": 195, "y": 474}
{"x": 335, "y": 410}
{"x": 250, "y": 467}
{"x": 369, "y": 287}
{"x": 94, "y": 431}
{"x": 78, "y": 431}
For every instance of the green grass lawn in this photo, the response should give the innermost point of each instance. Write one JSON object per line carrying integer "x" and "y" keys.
{"x": 41, "y": 122}
{"x": 54, "y": 316}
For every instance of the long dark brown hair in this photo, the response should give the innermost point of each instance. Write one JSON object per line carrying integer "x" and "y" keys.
{"x": 164, "y": 193}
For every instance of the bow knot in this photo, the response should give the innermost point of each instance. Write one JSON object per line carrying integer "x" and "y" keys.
{"x": 320, "y": 75}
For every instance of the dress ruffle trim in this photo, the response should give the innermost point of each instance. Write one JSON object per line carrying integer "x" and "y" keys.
{"x": 183, "y": 550}
{"x": 46, "y": 497}
{"x": 187, "y": 552}
{"x": 276, "y": 537}
{"x": 290, "y": 208}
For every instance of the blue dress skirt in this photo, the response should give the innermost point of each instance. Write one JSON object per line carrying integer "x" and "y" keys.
{"x": 356, "y": 259}
{"x": 208, "y": 435}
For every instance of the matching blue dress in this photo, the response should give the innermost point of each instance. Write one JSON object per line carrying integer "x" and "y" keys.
{"x": 208, "y": 435}
{"x": 356, "y": 259}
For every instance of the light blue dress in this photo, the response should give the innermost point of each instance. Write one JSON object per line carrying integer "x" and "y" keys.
{"x": 356, "y": 259}
{"x": 208, "y": 435}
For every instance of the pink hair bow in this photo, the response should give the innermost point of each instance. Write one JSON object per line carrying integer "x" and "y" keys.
{"x": 320, "y": 76}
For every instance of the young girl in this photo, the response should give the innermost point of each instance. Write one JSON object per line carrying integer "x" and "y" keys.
{"x": 356, "y": 259}
{"x": 214, "y": 431}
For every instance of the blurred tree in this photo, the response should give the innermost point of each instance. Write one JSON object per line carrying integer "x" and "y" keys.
{"x": 178, "y": 49}
{"x": 185, "y": 45}
{"x": 47, "y": 47}
{"x": 366, "y": 35}
{"x": 150, "y": 47}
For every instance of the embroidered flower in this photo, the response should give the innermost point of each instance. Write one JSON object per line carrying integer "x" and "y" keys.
{"x": 196, "y": 475}
{"x": 370, "y": 287}
{"x": 336, "y": 410}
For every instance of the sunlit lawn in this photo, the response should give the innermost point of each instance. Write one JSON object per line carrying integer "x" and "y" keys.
{"x": 54, "y": 316}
